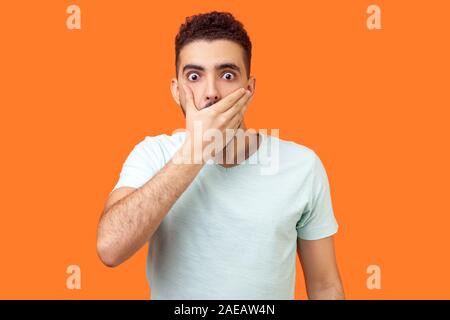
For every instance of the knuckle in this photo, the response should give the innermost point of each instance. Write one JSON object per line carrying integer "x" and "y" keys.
{"x": 222, "y": 119}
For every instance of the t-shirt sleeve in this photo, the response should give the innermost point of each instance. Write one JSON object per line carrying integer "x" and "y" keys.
{"x": 143, "y": 162}
{"x": 318, "y": 220}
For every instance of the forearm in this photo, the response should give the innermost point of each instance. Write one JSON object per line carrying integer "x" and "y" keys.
{"x": 128, "y": 224}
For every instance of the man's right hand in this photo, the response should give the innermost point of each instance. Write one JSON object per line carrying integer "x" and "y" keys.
{"x": 224, "y": 114}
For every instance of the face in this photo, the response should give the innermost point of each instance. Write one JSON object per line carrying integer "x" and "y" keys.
{"x": 212, "y": 69}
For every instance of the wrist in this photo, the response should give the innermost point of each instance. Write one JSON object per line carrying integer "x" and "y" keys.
{"x": 187, "y": 154}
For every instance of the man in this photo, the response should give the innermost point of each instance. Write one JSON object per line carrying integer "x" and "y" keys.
{"x": 221, "y": 229}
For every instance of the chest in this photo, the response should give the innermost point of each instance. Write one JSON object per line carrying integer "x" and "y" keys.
{"x": 259, "y": 206}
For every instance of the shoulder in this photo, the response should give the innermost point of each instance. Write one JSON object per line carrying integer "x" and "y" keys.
{"x": 163, "y": 139}
{"x": 294, "y": 154}
{"x": 161, "y": 143}
{"x": 156, "y": 150}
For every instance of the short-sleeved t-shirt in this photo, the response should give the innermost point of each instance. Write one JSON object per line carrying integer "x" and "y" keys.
{"x": 233, "y": 233}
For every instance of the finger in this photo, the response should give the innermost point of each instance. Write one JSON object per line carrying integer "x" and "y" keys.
{"x": 239, "y": 116}
{"x": 190, "y": 104}
{"x": 237, "y": 119}
{"x": 228, "y": 101}
{"x": 239, "y": 105}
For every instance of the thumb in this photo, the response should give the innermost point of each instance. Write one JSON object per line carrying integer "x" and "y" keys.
{"x": 190, "y": 105}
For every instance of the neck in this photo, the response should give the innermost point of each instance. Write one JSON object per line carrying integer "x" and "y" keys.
{"x": 239, "y": 149}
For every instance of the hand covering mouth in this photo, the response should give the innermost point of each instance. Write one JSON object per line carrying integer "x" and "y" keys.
{"x": 209, "y": 104}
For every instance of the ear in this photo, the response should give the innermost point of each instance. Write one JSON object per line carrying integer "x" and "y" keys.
{"x": 251, "y": 84}
{"x": 175, "y": 90}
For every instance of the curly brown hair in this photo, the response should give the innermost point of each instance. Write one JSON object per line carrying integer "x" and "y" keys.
{"x": 213, "y": 26}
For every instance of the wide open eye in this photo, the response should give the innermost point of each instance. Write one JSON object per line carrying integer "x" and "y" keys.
{"x": 193, "y": 76}
{"x": 228, "y": 75}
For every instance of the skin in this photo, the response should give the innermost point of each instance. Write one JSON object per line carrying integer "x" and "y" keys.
{"x": 213, "y": 70}
{"x": 320, "y": 270}
{"x": 131, "y": 216}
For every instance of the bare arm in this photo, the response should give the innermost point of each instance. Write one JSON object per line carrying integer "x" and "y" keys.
{"x": 131, "y": 216}
{"x": 128, "y": 223}
{"x": 321, "y": 273}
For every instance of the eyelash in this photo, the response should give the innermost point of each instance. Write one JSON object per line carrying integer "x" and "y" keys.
{"x": 231, "y": 72}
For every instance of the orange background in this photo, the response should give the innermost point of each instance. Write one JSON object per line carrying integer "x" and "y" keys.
{"x": 372, "y": 104}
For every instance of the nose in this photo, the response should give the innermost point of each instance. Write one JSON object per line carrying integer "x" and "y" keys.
{"x": 212, "y": 95}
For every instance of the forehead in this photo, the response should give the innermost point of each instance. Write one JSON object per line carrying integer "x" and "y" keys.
{"x": 210, "y": 53}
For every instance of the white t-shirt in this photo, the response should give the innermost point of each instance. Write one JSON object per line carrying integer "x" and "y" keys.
{"x": 233, "y": 233}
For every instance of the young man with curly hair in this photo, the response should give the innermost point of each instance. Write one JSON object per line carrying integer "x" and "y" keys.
{"x": 220, "y": 229}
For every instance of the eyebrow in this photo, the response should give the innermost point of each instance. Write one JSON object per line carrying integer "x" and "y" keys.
{"x": 217, "y": 67}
